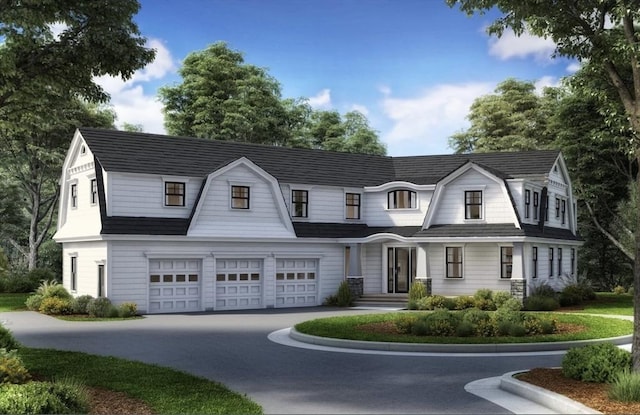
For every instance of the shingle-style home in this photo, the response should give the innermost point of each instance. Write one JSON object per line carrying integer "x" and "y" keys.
{"x": 183, "y": 224}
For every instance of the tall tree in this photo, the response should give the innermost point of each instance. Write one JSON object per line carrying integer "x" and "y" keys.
{"x": 222, "y": 97}
{"x": 603, "y": 33}
{"x": 50, "y": 54}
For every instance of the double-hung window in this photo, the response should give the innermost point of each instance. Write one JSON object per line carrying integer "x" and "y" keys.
{"x": 551, "y": 262}
{"x": 299, "y": 203}
{"x": 401, "y": 199}
{"x": 536, "y": 205}
{"x": 534, "y": 265}
{"x": 473, "y": 204}
{"x": 239, "y": 197}
{"x": 573, "y": 261}
{"x": 352, "y": 201}
{"x": 557, "y": 208}
{"x": 506, "y": 261}
{"x": 527, "y": 203}
{"x": 74, "y": 273}
{"x": 546, "y": 208}
{"x": 94, "y": 191}
{"x": 454, "y": 261}
{"x": 563, "y": 211}
{"x": 74, "y": 195}
{"x": 559, "y": 261}
{"x": 174, "y": 193}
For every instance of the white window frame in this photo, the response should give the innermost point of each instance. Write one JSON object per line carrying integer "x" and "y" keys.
{"x": 73, "y": 272}
{"x": 482, "y": 204}
{"x": 174, "y": 179}
{"x": 73, "y": 198}
{"x": 346, "y": 206}
{"x": 248, "y": 198}
{"x": 93, "y": 193}
{"x": 500, "y": 248}
{"x": 413, "y": 199}
{"x": 307, "y": 203}
{"x": 446, "y": 262}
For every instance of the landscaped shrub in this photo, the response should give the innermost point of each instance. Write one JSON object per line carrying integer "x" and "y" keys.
{"x": 450, "y": 303}
{"x": 619, "y": 290}
{"x": 540, "y": 303}
{"x": 100, "y": 307}
{"x": 501, "y": 297}
{"x": 51, "y": 288}
{"x": 18, "y": 282}
{"x": 571, "y": 295}
{"x": 431, "y": 302}
{"x": 55, "y": 306}
{"x": 417, "y": 291}
{"x": 629, "y": 291}
{"x": 12, "y": 369}
{"x": 344, "y": 297}
{"x": 60, "y": 397}
{"x": 484, "y": 299}
{"x": 625, "y": 387}
{"x": 543, "y": 290}
{"x": 465, "y": 329}
{"x": 127, "y": 310}
{"x": 7, "y": 341}
{"x": 33, "y": 302}
{"x": 512, "y": 304}
{"x": 79, "y": 304}
{"x": 404, "y": 323}
{"x": 465, "y": 301}
{"x": 595, "y": 362}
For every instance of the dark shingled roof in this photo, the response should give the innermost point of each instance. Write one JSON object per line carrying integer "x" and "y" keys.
{"x": 125, "y": 225}
{"x": 128, "y": 152}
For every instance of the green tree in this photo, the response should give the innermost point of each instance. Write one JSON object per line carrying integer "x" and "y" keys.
{"x": 221, "y": 97}
{"x": 359, "y": 137}
{"x": 603, "y": 33}
{"x": 512, "y": 119}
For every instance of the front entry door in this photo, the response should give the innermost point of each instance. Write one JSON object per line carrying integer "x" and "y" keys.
{"x": 401, "y": 269}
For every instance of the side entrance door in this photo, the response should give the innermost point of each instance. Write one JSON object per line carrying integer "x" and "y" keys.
{"x": 401, "y": 271}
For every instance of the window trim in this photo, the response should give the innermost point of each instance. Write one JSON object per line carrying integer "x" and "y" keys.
{"x": 550, "y": 262}
{"x": 460, "y": 263}
{"x": 168, "y": 183}
{"x": 73, "y": 195}
{"x": 304, "y": 204}
{"x": 563, "y": 211}
{"x": 413, "y": 199}
{"x": 534, "y": 262}
{"x": 358, "y": 205}
{"x": 573, "y": 261}
{"x": 73, "y": 272}
{"x": 557, "y": 207}
{"x": 468, "y": 204}
{"x": 536, "y": 205}
{"x": 503, "y": 263}
{"x": 527, "y": 203}
{"x": 93, "y": 186}
{"x": 245, "y": 200}
{"x": 559, "y": 262}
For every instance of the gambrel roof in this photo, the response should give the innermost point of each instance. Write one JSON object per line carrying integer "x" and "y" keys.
{"x": 128, "y": 152}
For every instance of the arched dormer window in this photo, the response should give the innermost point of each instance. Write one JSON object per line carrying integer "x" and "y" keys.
{"x": 401, "y": 199}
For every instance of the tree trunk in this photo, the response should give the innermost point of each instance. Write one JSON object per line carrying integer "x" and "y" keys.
{"x": 635, "y": 349}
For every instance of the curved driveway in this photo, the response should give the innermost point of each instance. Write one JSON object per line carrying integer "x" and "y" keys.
{"x": 233, "y": 348}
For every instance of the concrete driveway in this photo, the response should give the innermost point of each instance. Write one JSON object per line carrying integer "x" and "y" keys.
{"x": 233, "y": 348}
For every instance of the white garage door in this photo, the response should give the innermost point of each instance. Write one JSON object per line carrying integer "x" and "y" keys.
{"x": 174, "y": 285}
{"x": 238, "y": 284}
{"x": 296, "y": 282}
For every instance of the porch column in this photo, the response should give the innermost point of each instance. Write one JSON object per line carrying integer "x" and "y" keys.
{"x": 353, "y": 270}
{"x": 422, "y": 266}
{"x": 518, "y": 281}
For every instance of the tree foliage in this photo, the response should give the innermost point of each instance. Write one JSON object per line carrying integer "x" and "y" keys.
{"x": 604, "y": 34}
{"x": 224, "y": 98}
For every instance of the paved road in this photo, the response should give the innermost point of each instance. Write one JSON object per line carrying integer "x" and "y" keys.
{"x": 233, "y": 348}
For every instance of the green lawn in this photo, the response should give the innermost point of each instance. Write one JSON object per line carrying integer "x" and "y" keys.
{"x": 13, "y": 302}
{"x": 347, "y": 327}
{"x": 167, "y": 391}
{"x": 610, "y": 303}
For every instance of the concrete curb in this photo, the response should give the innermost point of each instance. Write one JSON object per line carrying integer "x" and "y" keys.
{"x": 451, "y": 348}
{"x": 541, "y": 396}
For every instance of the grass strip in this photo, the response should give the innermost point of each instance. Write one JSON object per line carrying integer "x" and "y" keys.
{"x": 347, "y": 327}
{"x": 167, "y": 391}
{"x": 610, "y": 303}
{"x": 13, "y": 301}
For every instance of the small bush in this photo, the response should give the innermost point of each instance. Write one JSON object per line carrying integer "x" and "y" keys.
{"x": 501, "y": 297}
{"x": 543, "y": 290}
{"x": 331, "y": 300}
{"x": 512, "y": 304}
{"x": 7, "y": 341}
{"x": 465, "y": 329}
{"x": 344, "y": 297}
{"x": 517, "y": 330}
{"x": 485, "y": 304}
{"x": 540, "y": 303}
{"x": 629, "y": 291}
{"x": 464, "y": 302}
{"x": 127, "y": 310}
{"x": 33, "y": 302}
{"x": 20, "y": 282}
{"x": 625, "y": 387}
{"x": 79, "y": 304}
{"x": 51, "y": 288}
{"x": 12, "y": 369}
{"x": 56, "y": 306}
{"x": 483, "y": 294}
{"x": 100, "y": 307}
{"x": 417, "y": 291}
{"x": 61, "y": 397}
{"x": 619, "y": 290}
{"x": 431, "y": 302}
{"x": 571, "y": 295}
{"x": 450, "y": 303}
{"x": 404, "y": 323}
{"x": 595, "y": 362}
{"x": 438, "y": 323}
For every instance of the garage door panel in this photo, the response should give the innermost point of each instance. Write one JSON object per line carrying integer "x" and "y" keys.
{"x": 238, "y": 284}
{"x": 296, "y": 282}
{"x": 174, "y": 285}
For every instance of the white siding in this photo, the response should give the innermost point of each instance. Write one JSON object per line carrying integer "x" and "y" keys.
{"x": 129, "y": 266}
{"x": 376, "y": 212}
{"x": 497, "y": 206}
{"x": 372, "y": 268}
{"x": 326, "y": 204}
{"x": 143, "y": 195}
{"x": 480, "y": 269}
{"x": 84, "y": 219}
{"x": 217, "y": 218}
{"x": 89, "y": 255}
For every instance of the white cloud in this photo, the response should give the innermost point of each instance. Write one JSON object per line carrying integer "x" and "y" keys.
{"x": 361, "y": 109}
{"x": 574, "y": 67}
{"x": 511, "y": 46}
{"x": 546, "y": 81}
{"x": 423, "y": 124}
{"x": 322, "y": 100}
{"x": 57, "y": 28}
{"x": 128, "y": 98}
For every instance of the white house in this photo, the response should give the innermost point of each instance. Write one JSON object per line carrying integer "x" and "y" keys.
{"x": 183, "y": 224}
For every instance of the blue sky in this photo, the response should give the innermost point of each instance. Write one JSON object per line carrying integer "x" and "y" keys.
{"x": 412, "y": 67}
